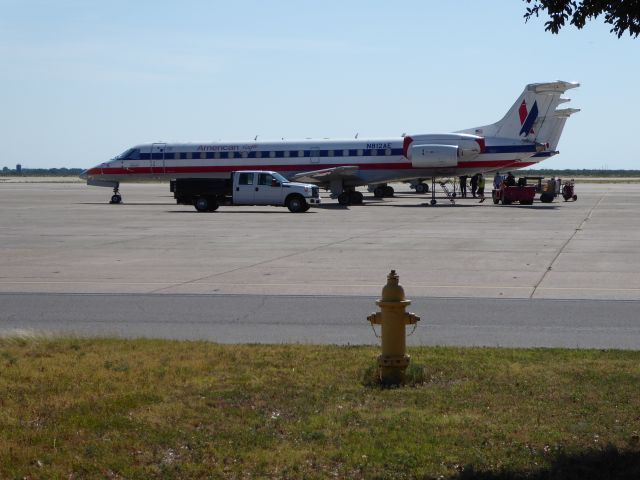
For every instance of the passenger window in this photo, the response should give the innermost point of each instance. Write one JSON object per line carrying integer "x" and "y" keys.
{"x": 246, "y": 179}
{"x": 272, "y": 154}
{"x": 387, "y": 152}
{"x": 189, "y": 155}
{"x": 300, "y": 153}
{"x": 216, "y": 155}
{"x": 286, "y": 154}
{"x": 258, "y": 154}
{"x": 330, "y": 154}
{"x": 374, "y": 152}
{"x": 345, "y": 153}
{"x": 360, "y": 152}
{"x": 245, "y": 154}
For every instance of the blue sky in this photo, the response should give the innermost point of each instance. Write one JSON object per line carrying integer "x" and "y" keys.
{"x": 81, "y": 81}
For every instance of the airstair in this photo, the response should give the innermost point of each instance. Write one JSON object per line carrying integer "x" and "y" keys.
{"x": 448, "y": 186}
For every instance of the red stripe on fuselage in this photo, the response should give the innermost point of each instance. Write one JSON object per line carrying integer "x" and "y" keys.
{"x": 195, "y": 169}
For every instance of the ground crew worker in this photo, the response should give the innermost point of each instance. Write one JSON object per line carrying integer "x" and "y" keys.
{"x": 481, "y": 187}
{"x": 474, "y": 184}
{"x": 510, "y": 181}
{"x": 463, "y": 185}
{"x": 497, "y": 181}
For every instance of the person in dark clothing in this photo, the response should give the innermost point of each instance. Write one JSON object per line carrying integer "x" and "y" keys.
{"x": 510, "y": 181}
{"x": 474, "y": 185}
{"x": 463, "y": 185}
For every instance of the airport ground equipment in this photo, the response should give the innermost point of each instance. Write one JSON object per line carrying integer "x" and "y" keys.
{"x": 568, "y": 191}
{"x": 254, "y": 187}
{"x": 524, "y": 195}
{"x": 393, "y": 318}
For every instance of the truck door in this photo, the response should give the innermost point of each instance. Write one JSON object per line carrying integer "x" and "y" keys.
{"x": 268, "y": 191}
{"x": 244, "y": 190}
{"x": 157, "y": 158}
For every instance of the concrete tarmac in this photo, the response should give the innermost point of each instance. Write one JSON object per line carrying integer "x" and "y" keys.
{"x": 65, "y": 239}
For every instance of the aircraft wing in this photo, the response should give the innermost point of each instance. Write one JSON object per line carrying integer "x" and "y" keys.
{"x": 326, "y": 175}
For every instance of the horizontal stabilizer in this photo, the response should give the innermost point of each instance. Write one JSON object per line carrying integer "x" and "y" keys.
{"x": 566, "y": 112}
{"x": 552, "y": 87}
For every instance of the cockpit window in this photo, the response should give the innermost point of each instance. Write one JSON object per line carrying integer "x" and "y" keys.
{"x": 131, "y": 154}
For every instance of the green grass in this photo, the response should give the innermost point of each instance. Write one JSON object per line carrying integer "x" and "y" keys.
{"x": 72, "y": 408}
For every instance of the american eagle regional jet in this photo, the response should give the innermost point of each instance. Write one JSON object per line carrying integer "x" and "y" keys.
{"x": 527, "y": 134}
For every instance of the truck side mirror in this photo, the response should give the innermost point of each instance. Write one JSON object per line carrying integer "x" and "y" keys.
{"x": 275, "y": 183}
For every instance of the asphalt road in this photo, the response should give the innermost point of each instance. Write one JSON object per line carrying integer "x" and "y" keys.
{"x": 324, "y": 319}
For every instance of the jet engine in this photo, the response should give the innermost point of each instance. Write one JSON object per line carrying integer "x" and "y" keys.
{"x": 434, "y": 156}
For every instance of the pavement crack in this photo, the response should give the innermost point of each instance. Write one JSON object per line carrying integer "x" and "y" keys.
{"x": 579, "y": 228}
{"x": 275, "y": 259}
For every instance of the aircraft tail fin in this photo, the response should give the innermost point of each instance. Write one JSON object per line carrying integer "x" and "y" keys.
{"x": 533, "y": 117}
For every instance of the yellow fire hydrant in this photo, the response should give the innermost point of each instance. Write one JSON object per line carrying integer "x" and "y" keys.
{"x": 392, "y": 316}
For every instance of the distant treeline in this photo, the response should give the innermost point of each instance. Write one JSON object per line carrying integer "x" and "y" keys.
{"x": 568, "y": 173}
{"x": 41, "y": 172}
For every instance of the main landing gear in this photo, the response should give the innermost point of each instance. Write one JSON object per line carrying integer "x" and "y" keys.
{"x": 350, "y": 197}
{"x": 382, "y": 191}
{"x": 116, "y": 198}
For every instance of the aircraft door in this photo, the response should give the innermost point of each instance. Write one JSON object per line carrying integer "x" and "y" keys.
{"x": 245, "y": 188}
{"x": 315, "y": 155}
{"x": 157, "y": 157}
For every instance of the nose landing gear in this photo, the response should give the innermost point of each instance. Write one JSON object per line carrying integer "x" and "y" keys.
{"x": 116, "y": 198}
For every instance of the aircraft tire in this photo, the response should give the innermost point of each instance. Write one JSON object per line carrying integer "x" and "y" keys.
{"x": 388, "y": 191}
{"x": 379, "y": 192}
{"x": 422, "y": 188}
{"x": 296, "y": 204}
{"x": 343, "y": 198}
{"x": 433, "y": 202}
{"x": 116, "y": 199}
{"x": 355, "y": 198}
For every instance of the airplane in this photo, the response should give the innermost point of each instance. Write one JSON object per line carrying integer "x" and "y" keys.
{"x": 527, "y": 134}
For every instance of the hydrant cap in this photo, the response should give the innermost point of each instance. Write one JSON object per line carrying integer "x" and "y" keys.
{"x": 392, "y": 291}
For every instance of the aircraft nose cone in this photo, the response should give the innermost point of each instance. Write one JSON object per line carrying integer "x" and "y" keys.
{"x": 84, "y": 174}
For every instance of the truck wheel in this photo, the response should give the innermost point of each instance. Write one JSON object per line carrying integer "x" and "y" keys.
{"x": 213, "y": 205}
{"x": 201, "y": 204}
{"x": 296, "y": 204}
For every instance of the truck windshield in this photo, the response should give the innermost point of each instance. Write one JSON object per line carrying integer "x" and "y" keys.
{"x": 279, "y": 177}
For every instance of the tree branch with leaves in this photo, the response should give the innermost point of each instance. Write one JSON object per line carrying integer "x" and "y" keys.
{"x": 623, "y": 15}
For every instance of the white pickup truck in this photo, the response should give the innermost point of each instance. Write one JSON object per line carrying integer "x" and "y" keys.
{"x": 256, "y": 187}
